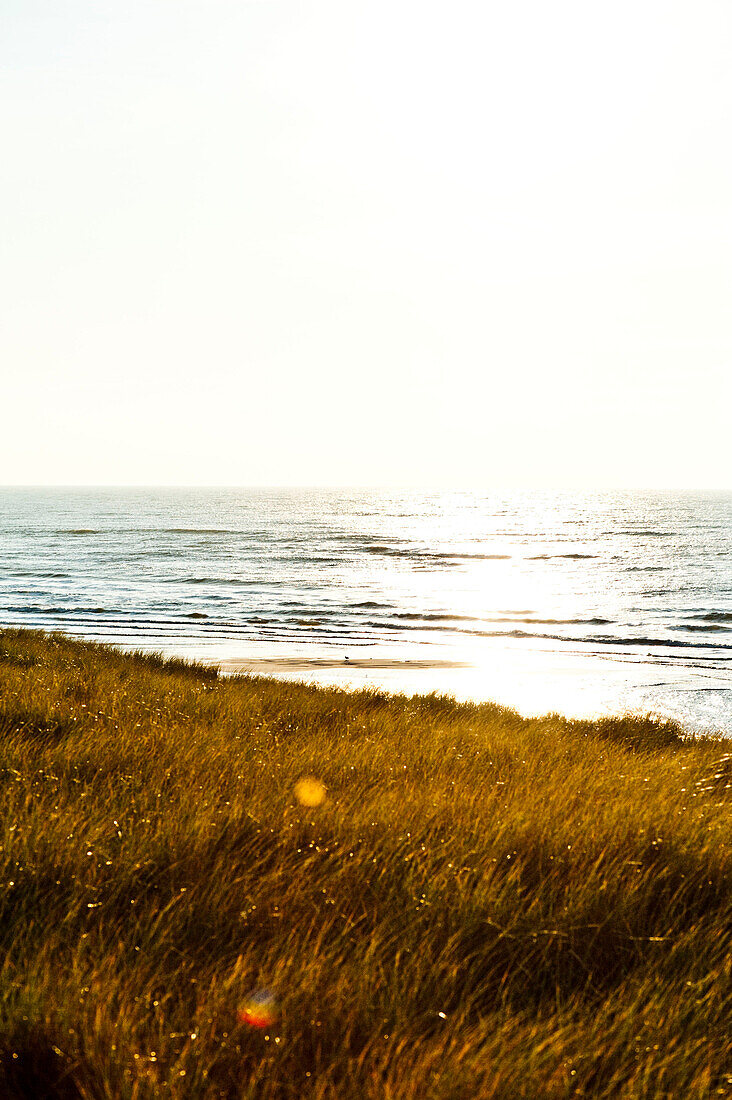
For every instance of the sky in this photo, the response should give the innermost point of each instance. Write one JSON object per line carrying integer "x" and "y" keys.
{"x": 394, "y": 242}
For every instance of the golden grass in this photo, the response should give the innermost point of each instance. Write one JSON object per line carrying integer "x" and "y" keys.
{"x": 482, "y": 905}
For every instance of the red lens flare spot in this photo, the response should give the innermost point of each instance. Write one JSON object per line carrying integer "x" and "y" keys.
{"x": 259, "y": 1010}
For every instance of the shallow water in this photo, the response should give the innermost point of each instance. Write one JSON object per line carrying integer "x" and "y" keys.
{"x": 579, "y": 602}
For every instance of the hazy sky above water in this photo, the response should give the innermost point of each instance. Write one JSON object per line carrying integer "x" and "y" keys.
{"x": 348, "y": 242}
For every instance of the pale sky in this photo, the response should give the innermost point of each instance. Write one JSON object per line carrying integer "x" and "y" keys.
{"x": 358, "y": 243}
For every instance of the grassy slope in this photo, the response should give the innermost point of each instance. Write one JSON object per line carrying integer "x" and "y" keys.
{"x": 485, "y": 906}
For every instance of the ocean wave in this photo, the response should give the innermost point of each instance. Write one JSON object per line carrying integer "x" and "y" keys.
{"x": 571, "y": 557}
{"x": 420, "y": 617}
{"x": 645, "y": 568}
{"x": 661, "y": 642}
{"x": 242, "y": 582}
{"x": 143, "y": 531}
{"x": 194, "y": 530}
{"x": 475, "y": 557}
{"x": 354, "y": 538}
{"x": 610, "y": 640}
{"x": 643, "y": 533}
{"x": 380, "y": 548}
{"x": 703, "y": 627}
{"x": 414, "y": 616}
{"x": 41, "y": 609}
{"x": 99, "y": 622}
{"x": 38, "y": 575}
{"x": 255, "y": 537}
{"x": 561, "y": 622}
{"x": 424, "y": 555}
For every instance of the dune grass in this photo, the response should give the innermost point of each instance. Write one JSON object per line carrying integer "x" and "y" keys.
{"x": 483, "y": 905}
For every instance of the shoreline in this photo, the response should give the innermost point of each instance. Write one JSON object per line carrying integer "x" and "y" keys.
{"x": 533, "y": 682}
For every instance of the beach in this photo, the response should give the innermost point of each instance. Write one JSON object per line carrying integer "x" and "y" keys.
{"x": 533, "y": 682}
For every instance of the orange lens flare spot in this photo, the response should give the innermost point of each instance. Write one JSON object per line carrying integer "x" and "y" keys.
{"x": 310, "y": 791}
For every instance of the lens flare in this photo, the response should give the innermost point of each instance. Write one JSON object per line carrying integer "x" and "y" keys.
{"x": 259, "y": 1010}
{"x": 310, "y": 791}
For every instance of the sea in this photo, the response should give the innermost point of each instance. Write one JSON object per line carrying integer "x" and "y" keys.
{"x": 582, "y": 603}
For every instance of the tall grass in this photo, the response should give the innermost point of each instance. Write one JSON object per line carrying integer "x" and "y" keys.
{"x": 483, "y": 905}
